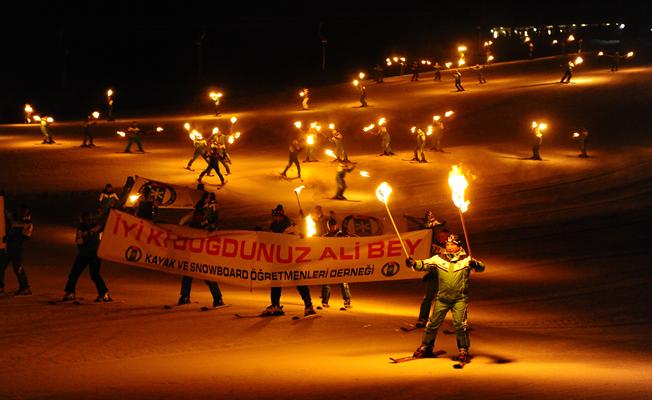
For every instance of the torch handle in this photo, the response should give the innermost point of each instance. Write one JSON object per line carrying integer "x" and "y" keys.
{"x": 298, "y": 202}
{"x": 396, "y": 229}
{"x": 466, "y": 236}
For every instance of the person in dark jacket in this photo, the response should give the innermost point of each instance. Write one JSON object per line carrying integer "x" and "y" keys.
{"x": 19, "y": 229}
{"x": 88, "y": 240}
{"x": 214, "y": 156}
{"x": 293, "y": 158}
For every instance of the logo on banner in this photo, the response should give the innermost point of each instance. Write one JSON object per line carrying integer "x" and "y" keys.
{"x": 164, "y": 195}
{"x": 390, "y": 269}
{"x": 133, "y": 254}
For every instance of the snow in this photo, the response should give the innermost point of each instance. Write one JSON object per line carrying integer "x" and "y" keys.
{"x": 562, "y": 310}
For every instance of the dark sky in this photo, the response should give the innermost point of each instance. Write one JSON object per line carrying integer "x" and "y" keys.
{"x": 62, "y": 53}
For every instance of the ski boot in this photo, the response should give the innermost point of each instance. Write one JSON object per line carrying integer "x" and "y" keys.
{"x": 67, "y": 296}
{"x": 218, "y": 303}
{"x": 273, "y": 310}
{"x": 347, "y": 303}
{"x": 106, "y": 297}
{"x": 183, "y": 300}
{"x": 463, "y": 357}
{"x": 309, "y": 311}
{"x": 23, "y": 292}
{"x": 423, "y": 351}
{"x": 420, "y": 323}
{"x": 324, "y": 305}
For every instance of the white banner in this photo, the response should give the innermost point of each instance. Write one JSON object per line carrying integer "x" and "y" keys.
{"x": 259, "y": 259}
{"x": 3, "y": 231}
{"x": 168, "y": 195}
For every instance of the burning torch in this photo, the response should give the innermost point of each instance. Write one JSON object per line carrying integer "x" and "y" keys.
{"x": 297, "y": 191}
{"x": 28, "y": 113}
{"x": 109, "y": 103}
{"x": 382, "y": 193}
{"x": 458, "y": 184}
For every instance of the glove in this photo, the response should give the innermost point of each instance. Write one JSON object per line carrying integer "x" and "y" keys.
{"x": 410, "y": 262}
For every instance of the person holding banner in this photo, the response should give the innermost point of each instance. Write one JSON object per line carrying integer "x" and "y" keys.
{"x": 280, "y": 224}
{"x": 19, "y": 229}
{"x": 87, "y": 240}
{"x": 108, "y": 199}
{"x": 334, "y": 231}
{"x": 453, "y": 271}
{"x": 198, "y": 221}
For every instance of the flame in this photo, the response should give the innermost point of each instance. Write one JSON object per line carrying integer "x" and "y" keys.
{"x": 383, "y": 191}
{"x": 331, "y": 126}
{"x": 402, "y": 59}
{"x": 49, "y": 120}
{"x": 630, "y": 54}
{"x": 215, "y": 95}
{"x": 121, "y": 133}
{"x": 364, "y": 174}
{"x": 578, "y": 60}
{"x": 231, "y": 139}
{"x": 186, "y": 126}
{"x": 436, "y": 118}
{"x": 555, "y": 41}
{"x": 576, "y": 134}
{"x": 361, "y": 75}
{"x": 543, "y": 126}
{"x": 461, "y": 62}
{"x": 216, "y": 130}
{"x": 601, "y": 53}
{"x": 368, "y": 128}
{"x": 159, "y": 129}
{"x": 413, "y": 129}
{"x": 448, "y": 64}
{"x": 429, "y": 131}
{"x": 356, "y": 82}
{"x": 490, "y": 58}
{"x": 527, "y": 39}
{"x": 461, "y": 49}
{"x": 571, "y": 38}
{"x": 134, "y": 198}
{"x": 298, "y": 124}
{"x": 311, "y": 227}
{"x": 534, "y": 124}
{"x": 310, "y": 140}
{"x": 382, "y": 121}
{"x": 37, "y": 118}
{"x": 195, "y": 135}
{"x": 96, "y": 114}
{"x": 448, "y": 113}
{"x": 423, "y": 62}
{"x": 28, "y": 108}
{"x": 302, "y": 93}
{"x": 233, "y": 120}
{"x": 109, "y": 93}
{"x": 237, "y": 135}
{"x": 395, "y": 59}
{"x": 458, "y": 185}
{"x": 330, "y": 153}
{"x": 297, "y": 190}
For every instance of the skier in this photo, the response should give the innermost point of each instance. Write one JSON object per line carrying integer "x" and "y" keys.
{"x": 385, "y": 140}
{"x": 219, "y": 139}
{"x": 200, "y": 145}
{"x": 343, "y": 167}
{"x": 109, "y": 103}
{"x": 334, "y": 231}
{"x": 363, "y": 95}
{"x": 213, "y": 164}
{"x": 198, "y": 221}
{"x": 437, "y": 69}
{"x": 108, "y": 199}
{"x": 438, "y": 133}
{"x": 537, "y": 130}
{"x": 582, "y": 136}
{"x": 305, "y": 97}
{"x": 415, "y": 71}
{"x": 133, "y": 136}
{"x": 338, "y": 140}
{"x": 88, "y": 138}
{"x": 311, "y": 141}
{"x": 458, "y": 80}
{"x": 378, "y": 73}
{"x": 420, "y": 145}
{"x": 568, "y": 73}
{"x": 429, "y": 221}
{"x": 47, "y": 136}
{"x": 479, "y": 69}
{"x": 19, "y": 229}
{"x": 87, "y": 240}
{"x": 453, "y": 270}
{"x": 293, "y": 158}
{"x": 280, "y": 224}
{"x": 615, "y": 61}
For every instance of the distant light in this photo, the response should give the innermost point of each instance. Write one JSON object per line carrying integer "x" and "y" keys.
{"x": 622, "y": 26}
{"x": 96, "y": 114}
{"x": 495, "y": 35}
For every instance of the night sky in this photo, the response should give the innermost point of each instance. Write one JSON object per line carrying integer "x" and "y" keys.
{"x": 63, "y": 56}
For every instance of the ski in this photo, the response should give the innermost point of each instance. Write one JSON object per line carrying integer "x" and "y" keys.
{"x": 178, "y": 306}
{"x": 461, "y": 364}
{"x": 410, "y": 327}
{"x": 80, "y": 302}
{"x": 301, "y": 318}
{"x": 204, "y": 308}
{"x": 55, "y": 302}
{"x": 258, "y": 315}
{"x": 412, "y": 358}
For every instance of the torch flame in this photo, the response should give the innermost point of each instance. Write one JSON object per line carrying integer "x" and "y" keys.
{"x": 133, "y": 198}
{"x": 429, "y": 131}
{"x": 310, "y": 140}
{"x": 368, "y": 127}
{"x": 331, "y": 126}
{"x": 302, "y": 93}
{"x": 395, "y": 59}
{"x": 237, "y": 135}
{"x": 575, "y": 134}
{"x": 49, "y": 120}
{"x": 311, "y": 227}
{"x": 216, "y": 130}
{"x": 109, "y": 93}
{"x": 490, "y": 58}
{"x": 233, "y": 120}
{"x": 382, "y": 121}
{"x": 630, "y": 54}
{"x": 571, "y": 38}
{"x": 356, "y": 82}
{"x": 461, "y": 62}
{"x": 361, "y": 75}
{"x": 159, "y": 129}
{"x": 28, "y": 108}
{"x": 96, "y": 114}
{"x": 555, "y": 41}
{"x": 330, "y": 153}
{"x": 298, "y": 124}
{"x": 601, "y": 53}
{"x": 448, "y": 113}
{"x": 458, "y": 185}
{"x": 578, "y": 60}
{"x": 436, "y": 118}
{"x": 121, "y": 133}
{"x": 231, "y": 139}
{"x": 364, "y": 174}
{"x": 543, "y": 126}
{"x": 448, "y": 64}
{"x": 413, "y": 129}
{"x": 534, "y": 124}
{"x": 383, "y": 191}
{"x": 37, "y": 118}
{"x": 297, "y": 190}
{"x": 186, "y": 126}
{"x": 461, "y": 49}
